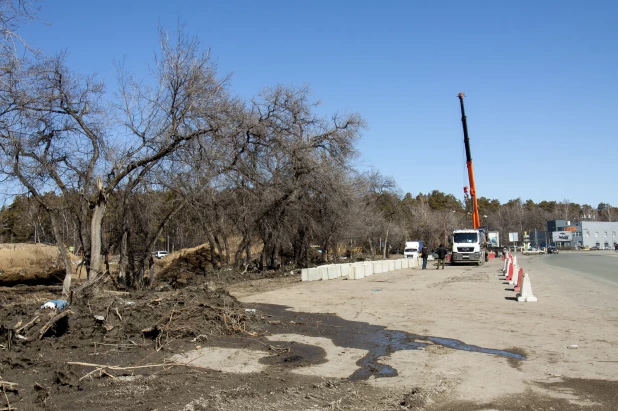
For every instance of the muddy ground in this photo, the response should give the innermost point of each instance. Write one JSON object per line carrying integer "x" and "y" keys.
{"x": 452, "y": 339}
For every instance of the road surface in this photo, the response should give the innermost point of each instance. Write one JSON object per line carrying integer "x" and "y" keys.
{"x": 599, "y": 265}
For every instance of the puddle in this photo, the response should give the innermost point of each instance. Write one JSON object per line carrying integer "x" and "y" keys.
{"x": 376, "y": 340}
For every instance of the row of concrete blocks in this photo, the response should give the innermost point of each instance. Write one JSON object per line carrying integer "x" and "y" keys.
{"x": 356, "y": 271}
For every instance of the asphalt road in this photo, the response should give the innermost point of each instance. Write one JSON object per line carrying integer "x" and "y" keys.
{"x": 600, "y": 265}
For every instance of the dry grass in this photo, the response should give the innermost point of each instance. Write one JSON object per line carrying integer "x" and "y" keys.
{"x": 29, "y": 261}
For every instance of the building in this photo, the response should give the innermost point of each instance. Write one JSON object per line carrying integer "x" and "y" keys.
{"x": 601, "y": 234}
{"x": 557, "y": 225}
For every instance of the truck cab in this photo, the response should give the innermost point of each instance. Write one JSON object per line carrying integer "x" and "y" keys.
{"x": 412, "y": 249}
{"x": 469, "y": 246}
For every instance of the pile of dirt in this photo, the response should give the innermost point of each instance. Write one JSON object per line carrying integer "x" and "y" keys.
{"x": 121, "y": 316}
{"x": 187, "y": 267}
{"x": 132, "y": 325}
{"x": 31, "y": 264}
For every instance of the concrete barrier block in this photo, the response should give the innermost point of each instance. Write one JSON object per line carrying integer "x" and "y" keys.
{"x": 368, "y": 269}
{"x": 391, "y": 265}
{"x": 334, "y": 271}
{"x": 513, "y": 280}
{"x": 345, "y": 269}
{"x": 526, "y": 290}
{"x": 397, "y": 264}
{"x": 377, "y": 267}
{"x": 356, "y": 272}
{"x": 304, "y": 275}
{"x": 313, "y": 274}
{"x": 351, "y": 270}
{"x": 412, "y": 262}
{"x": 323, "y": 272}
{"x": 385, "y": 266}
{"x": 405, "y": 263}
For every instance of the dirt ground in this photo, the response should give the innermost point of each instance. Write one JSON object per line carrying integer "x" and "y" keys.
{"x": 450, "y": 339}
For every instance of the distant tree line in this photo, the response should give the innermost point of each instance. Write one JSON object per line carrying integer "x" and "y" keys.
{"x": 176, "y": 160}
{"x": 379, "y": 221}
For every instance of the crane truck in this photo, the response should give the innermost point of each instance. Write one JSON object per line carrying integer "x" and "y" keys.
{"x": 469, "y": 245}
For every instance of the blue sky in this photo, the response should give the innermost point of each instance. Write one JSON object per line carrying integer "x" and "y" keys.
{"x": 540, "y": 78}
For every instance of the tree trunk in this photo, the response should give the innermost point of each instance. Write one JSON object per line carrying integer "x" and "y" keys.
{"x": 226, "y": 245}
{"x": 219, "y": 248}
{"x": 68, "y": 266}
{"x": 95, "y": 240}
{"x": 238, "y": 258}
{"x": 211, "y": 244}
{"x": 122, "y": 263}
{"x": 275, "y": 261}
{"x": 248, "y": 250}
{"x": 152, "y": 270}
{"x": 385, "y": 244}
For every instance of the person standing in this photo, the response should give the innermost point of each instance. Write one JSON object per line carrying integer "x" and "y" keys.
{"x": 424, "y": 255}
{"x": 442, "y": 252}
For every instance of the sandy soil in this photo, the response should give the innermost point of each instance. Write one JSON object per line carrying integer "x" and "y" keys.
{"x": 473, "y": 305}
{"x": 450, "y": 339}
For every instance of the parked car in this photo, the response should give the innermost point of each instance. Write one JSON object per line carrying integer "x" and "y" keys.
{"x": 160, "y": 254}
{"x": 533, "y": 250}
{"x": 552, "y": 250}
{"x": 595, "y": 247}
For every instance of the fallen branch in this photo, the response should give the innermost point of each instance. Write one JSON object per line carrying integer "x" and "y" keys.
{"x": 118, "y": 314}
{"x": 101, "y": 373}
{"x": 279, "y": 350}
{"x": 116, "y": 368}
{"x": 113, "y": 292}
{"x": 9, "y": 385}
{"x": 6, "y": 397}
{"x": 53, "y": 321}
{"x": 28, "y": 325}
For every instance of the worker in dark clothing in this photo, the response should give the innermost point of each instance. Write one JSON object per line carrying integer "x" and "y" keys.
{"x": 442, "y": 252}
{"x": 424, "y": 256}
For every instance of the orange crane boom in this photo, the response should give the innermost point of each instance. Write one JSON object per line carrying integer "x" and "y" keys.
{"x": 476, "y": 221}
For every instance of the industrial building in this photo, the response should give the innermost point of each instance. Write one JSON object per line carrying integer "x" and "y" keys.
{"x": 599, "y": 234}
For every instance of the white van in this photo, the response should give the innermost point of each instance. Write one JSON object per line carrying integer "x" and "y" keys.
{"x": 160, "y": 254}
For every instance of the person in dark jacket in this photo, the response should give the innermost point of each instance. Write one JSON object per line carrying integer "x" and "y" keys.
{"x": 424, "y": 255}
{"x": 442, "y": 252}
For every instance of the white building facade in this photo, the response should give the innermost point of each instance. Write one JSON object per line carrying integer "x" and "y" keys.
{"x": 600, "y": 234}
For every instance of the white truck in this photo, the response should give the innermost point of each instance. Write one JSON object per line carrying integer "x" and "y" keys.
{"x": 412, "y": 249}
{"x": 469, "y": 246}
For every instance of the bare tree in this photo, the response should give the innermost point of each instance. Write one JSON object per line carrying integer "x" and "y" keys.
{"x": 285, "y": 163}
{"x": 12, "y": 14}
{"x": 565, "y": 208}
{"x": 58, "y": 134}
